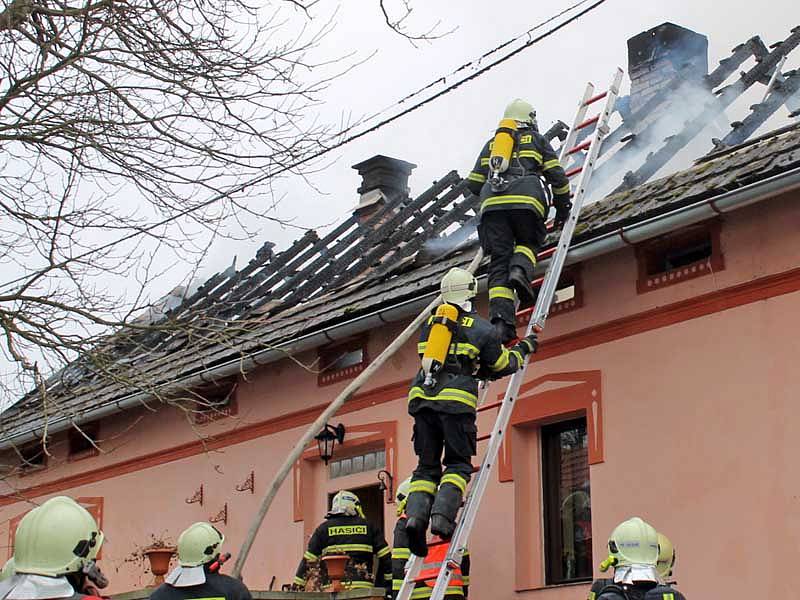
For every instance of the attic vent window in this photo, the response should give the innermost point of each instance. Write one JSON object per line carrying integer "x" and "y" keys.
{"x": 83, "y": 443}
{"x": 214, "y": 403}
{"x": 680, "y": 256}
{"x": 342, "y": 361}
{"x": 568, "y": 297}
{"x": 32, "y": 457}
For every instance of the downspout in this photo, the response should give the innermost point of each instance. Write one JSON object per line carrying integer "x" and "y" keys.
{"x": 583, "y": 251}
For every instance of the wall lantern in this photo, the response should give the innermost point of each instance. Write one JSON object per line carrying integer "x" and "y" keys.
{"x": 326, "y": 440}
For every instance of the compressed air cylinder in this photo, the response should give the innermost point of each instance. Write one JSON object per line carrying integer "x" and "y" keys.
{"x": 438, "y": 341}
{"x": 503, "y": 145}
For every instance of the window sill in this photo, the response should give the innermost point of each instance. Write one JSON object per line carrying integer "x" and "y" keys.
{"x": 555, "y": 586}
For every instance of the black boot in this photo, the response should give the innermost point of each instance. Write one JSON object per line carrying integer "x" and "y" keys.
{"x": 445, "y": 509}
{"x": 505, "y": 331}
{"x": 522, "y": 285}
{"x": 418, "y": 510}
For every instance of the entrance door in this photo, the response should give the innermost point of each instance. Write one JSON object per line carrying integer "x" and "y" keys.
{"x": 371, "y": 498}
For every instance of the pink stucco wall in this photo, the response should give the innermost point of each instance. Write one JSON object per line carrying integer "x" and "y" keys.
{"x": 699, "y": 431}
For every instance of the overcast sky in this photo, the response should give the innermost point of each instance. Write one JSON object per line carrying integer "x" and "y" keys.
{"x": 448, "y": 133}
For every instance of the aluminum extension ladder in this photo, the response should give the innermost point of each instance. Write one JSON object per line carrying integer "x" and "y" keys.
{"x": 458, "y": 543}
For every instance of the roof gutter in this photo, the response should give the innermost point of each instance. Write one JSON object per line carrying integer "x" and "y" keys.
{"x": 604, "y": 244}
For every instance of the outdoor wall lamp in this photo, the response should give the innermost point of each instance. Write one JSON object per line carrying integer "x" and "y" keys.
{"x": 383, "y": 476}
{"x": 326, "y": 440}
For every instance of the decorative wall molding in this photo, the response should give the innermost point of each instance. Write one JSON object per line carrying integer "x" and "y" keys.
{"x": 359, "y": 438}
{"x": 580, "y": 394}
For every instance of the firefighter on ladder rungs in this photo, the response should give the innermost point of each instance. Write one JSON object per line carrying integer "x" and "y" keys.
{"x": 458, "y": 586}
{"x": 458, "y": 347}
{"x": 514, "y": 207}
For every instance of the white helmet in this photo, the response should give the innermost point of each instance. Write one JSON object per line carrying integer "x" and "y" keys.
{"x": 56, "y": 538}
{"x": 634, "y": 546}
{"x": 458, "y": 286}
{"x": 521, "y": 111}
{"x": 346, "y": 503}
{"x": 199, "y": 544}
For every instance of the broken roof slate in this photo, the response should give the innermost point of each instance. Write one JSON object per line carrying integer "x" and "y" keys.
{"x": 374, "y": 287}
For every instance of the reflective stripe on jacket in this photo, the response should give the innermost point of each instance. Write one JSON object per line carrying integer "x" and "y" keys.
{"x": 533, "y": 159}
{"x": 351, "y": 535}
{"x": 474, "y": 345}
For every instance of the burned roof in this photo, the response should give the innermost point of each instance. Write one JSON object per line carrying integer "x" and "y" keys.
{"x": 358, "y": 282}
{"x": 367, "y": 264}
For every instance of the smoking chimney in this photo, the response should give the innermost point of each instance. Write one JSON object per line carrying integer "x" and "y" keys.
{"x": 383, "y": 179}
{"x": 657, "y": 56}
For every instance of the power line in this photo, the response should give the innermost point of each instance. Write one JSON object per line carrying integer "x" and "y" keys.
{"x": 446, "y": 90}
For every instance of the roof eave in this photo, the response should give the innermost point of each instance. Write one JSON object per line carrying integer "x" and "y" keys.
{"x": 590, "y": 248}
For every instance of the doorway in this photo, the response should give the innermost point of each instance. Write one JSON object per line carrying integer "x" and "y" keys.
{"x": 371, "y": 498}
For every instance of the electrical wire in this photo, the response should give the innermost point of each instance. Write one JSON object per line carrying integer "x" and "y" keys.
{"x": 449, "y": 88}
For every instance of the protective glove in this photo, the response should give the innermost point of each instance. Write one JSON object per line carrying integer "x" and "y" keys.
{"x": 562, "y": 213}
{"x": 529, "y": 344}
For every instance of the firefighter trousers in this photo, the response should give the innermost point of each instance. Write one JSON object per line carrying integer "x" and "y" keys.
{"x": 510, "y": 238}
{"x": 436, "y": 432}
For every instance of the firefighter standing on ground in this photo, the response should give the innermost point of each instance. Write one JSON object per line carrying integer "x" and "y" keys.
{"x": 513, "y": 210}
{"x": 346, "y": 531}
{"x": 458, "y": 586}
{"x": 197, "y": 575}
{"x": 52, "y": 545}
{"x": 634, "y": 554}
{"x": 443, "y": 402}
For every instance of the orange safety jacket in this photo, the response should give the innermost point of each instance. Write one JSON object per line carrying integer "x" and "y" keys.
{"x": 434, "y": 563}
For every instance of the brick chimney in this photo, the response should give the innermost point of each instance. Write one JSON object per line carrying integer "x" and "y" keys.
{"x": 656, "y": 56}
{"x": 383, "y": 179}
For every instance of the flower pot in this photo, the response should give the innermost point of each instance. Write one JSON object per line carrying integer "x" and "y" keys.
{"x": 159, "y": 562}
{"x": 335, "y": 565}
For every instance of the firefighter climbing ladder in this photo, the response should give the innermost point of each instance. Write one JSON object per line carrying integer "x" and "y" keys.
{"x": 537, "y": 321}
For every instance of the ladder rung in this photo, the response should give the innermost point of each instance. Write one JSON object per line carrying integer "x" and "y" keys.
{"x": 579, "y": 147}
{"x": 574, "y": 171}
{"x": 587, "y": 122}
{"x": 476, "y": 468}
{"x": 489, "y": 406}
{"x": 425, "y": 578}
{"x": 546, "y": 253}
{"x": 484, "y": 437}
{"x": 594, "y": 99}
{"x": 525, "y": 312}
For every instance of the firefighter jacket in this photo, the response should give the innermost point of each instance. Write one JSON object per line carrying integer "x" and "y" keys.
{"x": 533, "y": 158}
{"x": 597, "y": 587}
{"x": 351, "y": 535}
{"x": 643, "y": 591}
{"x": 474, "y": 347}
{"x": 216, "y": 586}
{"x": 459, "y": 583}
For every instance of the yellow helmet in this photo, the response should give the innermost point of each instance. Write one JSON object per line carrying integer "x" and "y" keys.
{"x": 521, "y": 111}
{"x": 666, "y": 556}
{"x": 56, "y": 538}
{"x": 458, "y": 286}
{"x": 634, "y": 542}
{"x": 199, "y": 544}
